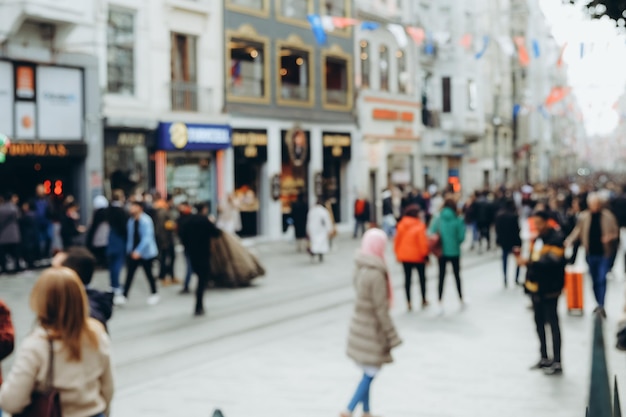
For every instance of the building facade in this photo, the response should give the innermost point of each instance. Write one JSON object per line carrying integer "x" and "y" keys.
{"x": 290, "y": 103}
{"x": 50, "y": 101}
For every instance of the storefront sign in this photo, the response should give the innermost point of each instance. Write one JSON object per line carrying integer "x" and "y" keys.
{"x": 392, "y": 115}
{"x": 59, "y": 103}
{"x": 25, "y": 78}
{"x": 128, "y": 138}
{"x": 193, "y": 137}
{"x": 250, "y": 145}
{"x": 52, "y": 150}
{"x": 6, "y": 98}
{"x": 336, "y": 145}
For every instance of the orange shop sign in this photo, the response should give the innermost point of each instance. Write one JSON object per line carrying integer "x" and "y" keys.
{"x": 25, "y": 82}
{"x": 392, "y": 115}
{"x": 38, "y": 149}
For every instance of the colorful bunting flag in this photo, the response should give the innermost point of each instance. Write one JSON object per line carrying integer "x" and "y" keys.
{"x": 429, "y": 49}
{"x": 417, "y": 34}
{"x": 557, "y": 94}
{"x": 466, "y": 41}
{"x": 516, "y": 110}
{"x": 318, "y": 29}
{"x": 559, "y": 63}
{"x": 522, "y": 52}
{"x": 235, "y": 72}
{"x": 536, "y": 49}
{"x": 328, "y": 24}
{"x": 506, "y": 45}
{"x": 344, "y": 22}
{"x": 480, "y": 53}
{"x": 399, "y": 33}
{"x": 369, "y": 25}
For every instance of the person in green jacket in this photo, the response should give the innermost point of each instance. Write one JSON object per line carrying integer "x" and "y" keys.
{"x": 451, "y": 229}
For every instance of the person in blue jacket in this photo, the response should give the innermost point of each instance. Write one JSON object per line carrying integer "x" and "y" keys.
{"x": 141, "y": 249}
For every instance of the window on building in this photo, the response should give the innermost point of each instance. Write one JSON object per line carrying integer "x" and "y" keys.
{"x": 294, "y": 74}
{"x": 403, "y": 75}
{"x": 365, "y": 63}
{"x": 184, "y": 90}
{"x": 334, "y": 8}
{"x": 472, "y": 95}
{"x": 336, "y": 76}
{"x": 295, "y": 9}
{"x": 247, "y": 68}
{"x": 250, "y": 4}
{"x": 383, "y": 65}
{"x": 446, "y": 84}
{"x": 121, "y": 52}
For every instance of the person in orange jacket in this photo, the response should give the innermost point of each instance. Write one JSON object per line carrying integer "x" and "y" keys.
{"x": 411, "y": 248}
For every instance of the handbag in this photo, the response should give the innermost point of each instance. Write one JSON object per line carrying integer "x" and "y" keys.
{"x": 434, "y": 243}
{"x": 48, "y": 402}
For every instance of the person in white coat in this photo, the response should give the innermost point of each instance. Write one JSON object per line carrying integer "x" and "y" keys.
{"x": 319, "y": 226}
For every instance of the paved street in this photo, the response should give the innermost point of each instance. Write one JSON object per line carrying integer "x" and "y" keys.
{"x": 277, "y": 349}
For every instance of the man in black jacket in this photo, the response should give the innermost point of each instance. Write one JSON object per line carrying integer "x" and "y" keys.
{"x": 81, "y": 261}
{"x": 508, "y": 235}
{"x": 196, "y": 233}
{"x": 544, "y": 283}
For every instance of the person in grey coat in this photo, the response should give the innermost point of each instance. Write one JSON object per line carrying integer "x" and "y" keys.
{"x": 372, "y": 332}
{"x": 9, "y": 233}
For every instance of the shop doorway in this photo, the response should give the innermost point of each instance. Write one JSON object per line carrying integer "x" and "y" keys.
{"x": 331, "y": 186}
{"x": 247, "y": 177}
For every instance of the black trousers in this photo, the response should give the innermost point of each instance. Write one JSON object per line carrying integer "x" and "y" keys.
{"x": 484, "y": 232}
{"x": 204, "y": 275}
{"x": 12, "y": 250}
{"x": 166, "y": 262}
{"x": 131, "y": 268}
{"x": 456, "y": 268}
{"x": 421, "y": 271}
{"x": 546, "y": 314}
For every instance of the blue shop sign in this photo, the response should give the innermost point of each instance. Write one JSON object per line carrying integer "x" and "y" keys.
{"x": 193, "y": 137}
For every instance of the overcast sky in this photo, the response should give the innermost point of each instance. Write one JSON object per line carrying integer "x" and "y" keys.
{"x": 599, "y": 77}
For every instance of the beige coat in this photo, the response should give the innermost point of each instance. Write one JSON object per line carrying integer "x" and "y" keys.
{"x": 85, "y": 387}
{"x": 610, "y": 231}
{"x": 372, "y": 333}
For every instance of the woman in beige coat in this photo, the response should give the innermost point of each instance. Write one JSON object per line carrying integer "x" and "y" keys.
{"x": 80, "y": 346}
{"x": 372, "y": 333}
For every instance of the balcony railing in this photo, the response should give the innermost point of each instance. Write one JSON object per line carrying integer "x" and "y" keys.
{"x": 187, "y": 96}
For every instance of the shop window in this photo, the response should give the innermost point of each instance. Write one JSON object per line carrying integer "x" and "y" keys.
{"x": 256, "y": 5}
{"x": 403, "y": 75}
{"x": 446, "y": 85}
{"x": 336, "y": 81}
{"x": 184, "y": 90}
{"x": 121, "y": 52}
{"x": 247, "y": 68}
{"x": 295, "y": 9}
{"x": 472, "y": 95}
{"x": 335, "y": 8}
{"x": 365, "y": 63}
{"x": 294, "y": 74}
{"x": 383, "y": 65}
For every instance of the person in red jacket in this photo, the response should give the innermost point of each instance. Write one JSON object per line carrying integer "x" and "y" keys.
{"x": 411, "y": 248}
{"x": 7, "y": 335}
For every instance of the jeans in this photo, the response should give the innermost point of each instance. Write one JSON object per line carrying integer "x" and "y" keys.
{"x": 45, "y": 240}
{"x": 132, "y": 265}
{"x": 359, "y": 224}
{"x": 362, "y": 394}
{"x": 115, "y": 262}
{"x": 475, "y": 235}
{"x": 456, "y": 268}
{"x": 389, "y": 225}
{"x": 546, "y": 314}
{"x": 421, "y": 271}
{"x": 598, "y": 268}
{"x": 505, "y": 262}
{"x": 189, "y": 272}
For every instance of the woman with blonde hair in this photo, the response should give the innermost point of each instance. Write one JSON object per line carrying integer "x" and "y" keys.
{"x": 65, "y": 337}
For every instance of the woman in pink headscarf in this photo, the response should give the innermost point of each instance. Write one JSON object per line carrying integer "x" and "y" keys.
{"x": 372, "y": 333}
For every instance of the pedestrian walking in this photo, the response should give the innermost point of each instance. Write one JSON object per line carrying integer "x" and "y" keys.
{"x": 598, "y": 232}
{"x": 484, "y": 220}
{"x": 299, "y": 213}
{"x": 83, "y": 262}
{"x": 141, "y": 249}
{"x": 43, "y": 210}
{"x": 67, "y": 350}
{"x": 508, "y": 236}
{"x": 389, "y": 219}
{"x": 70, "y": 228}
{"x": 319, "y": 228}
{"x": 362, "y": 213}
{"x": 117, "y": 218}
{"x": 196, "y": 233}
{"x": 545, "y": 278}
{"x": 451, "y": 230}
{"x": 184, "y": 212}
{"x": 372, "y": 333}
{"x": 7, "y": 337}
{"x": 469, "y": 215}
{"x": 29, "y": 236}
{"x": 10, "y": 238}
{"x": 98, "y": 231}
{"x": 411, "y": 248}
{"x": 165, "y": 227}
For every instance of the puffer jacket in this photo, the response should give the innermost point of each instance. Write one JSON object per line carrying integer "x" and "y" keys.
{"x": 372, "y": 333}
{"x": 411, "y": 244}
{"x": 451, "y": 229}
